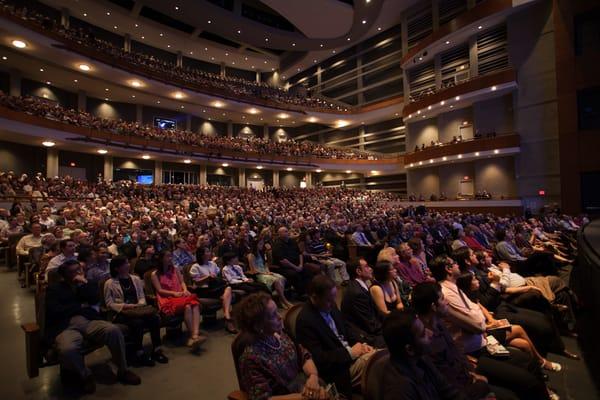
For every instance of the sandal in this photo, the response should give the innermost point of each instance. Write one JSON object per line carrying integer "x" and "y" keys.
{"x": 551, "y": 366}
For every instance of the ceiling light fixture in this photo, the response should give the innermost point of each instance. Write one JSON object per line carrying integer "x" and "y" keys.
{"x": 19, "y": 44}
{"x": 48, "y": 143}
{"x": 457, "y": 98}
{"x": 146, "y": 157}
{"x": 494, "y": 88}
{"x": 288, "y": 169}
{"x": 318, "y": 171}
{"x": 84, "y": 67}
{"x": 102, "y": 151}
{"x": 187, "y": 161}
{"x": 179, "y": 95}
{"x": 225, "y": 165}
{"x": 364, "y": 21}
{"x": 218, "y": 104}
{"x": 259, "y": 167}
{"x": 135, "y": 83}
{"x": 348, "y": 171}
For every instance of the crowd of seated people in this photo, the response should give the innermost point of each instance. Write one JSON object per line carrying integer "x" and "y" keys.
{"x": 455, "y": 140}
{"x": 416, "y": 263}
{"x": 189, "y": 77}
{"x": 482, "y": 194}
{"x": 50, "y": 110}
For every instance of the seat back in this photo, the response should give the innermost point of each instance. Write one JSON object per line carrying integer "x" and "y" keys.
{"x": 237, "y": 348}
{"x": 289, "y": 320}
{"x": 149, "y": 288}
{"x": 187, "y": 278}
{"x": 371, "y": 383}
{"x": 12, "y": 248}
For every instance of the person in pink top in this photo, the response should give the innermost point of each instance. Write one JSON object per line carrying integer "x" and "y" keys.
{"x": 409, "y": 268}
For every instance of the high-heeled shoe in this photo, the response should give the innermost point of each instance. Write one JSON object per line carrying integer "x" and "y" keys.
{"x": 570, "y": 355}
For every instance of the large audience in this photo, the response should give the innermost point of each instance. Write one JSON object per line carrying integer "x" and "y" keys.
{"x": 169, "y": 71}
{"x": 51, "y": 110}
{"x": 467, "y": 305}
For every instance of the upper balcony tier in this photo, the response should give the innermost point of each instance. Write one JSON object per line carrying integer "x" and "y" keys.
{"x": 474, "y": 89}
{"x": 88, "y": 137}
{"x": 487, "y": 13}
{"x": 188, "y": 78}
{"x": 463, "y": 151}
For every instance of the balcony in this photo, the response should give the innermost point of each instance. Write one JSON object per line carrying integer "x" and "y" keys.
{"x": 83, "y": 139}
{"x": 463, "y": 151}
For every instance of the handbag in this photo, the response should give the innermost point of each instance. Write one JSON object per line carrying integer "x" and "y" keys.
{"x": 139, "y": 311}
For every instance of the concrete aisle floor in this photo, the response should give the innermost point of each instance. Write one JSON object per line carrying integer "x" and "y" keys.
{"x": 209, "y": 375}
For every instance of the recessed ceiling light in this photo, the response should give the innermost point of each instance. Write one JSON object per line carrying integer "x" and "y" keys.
{"x": 431, "y": 161}
{"x": 212, "y": 58}
{"x": 348, "y": 171}
{"x": 4, "y": 58}
{"x": 457, "y": 98}
{"x": 209, "y": 21}
{"x": 146, "y": 157}
{"x": 314, "y": 61}
{"x": 187, "y": 161}
{"x": 253, "y": 67}
{"x": 227, "y": 54}
{"x": 203, "y": 111}
{"x": 48, "y": 143}
{"x": 48, "y": 83}
{"x": 348, "y": 39}
{"x": 364, "y": 21}
{"x": 106, "y": 99}
{"x": 19, "y": 44}
{"x": 289, "y": 169}
{"x": 206, "y": 49}
{"x": 451, "y": 106}
{"x": 160, "y": 34}
{"x": 176, "y": 7}
{"x": 444, "y": 158}
{"x": 224, "y": 114}
{"x": 253, "y": 110}
{"x": 494, "y": 88}
{"x": 84, "y": 67}
{"x": 233, "y": 63}
{"x": 107, "y": 13}
{"x": 182, "y": 107}
{"x": 218, "y": 104}
{"x": 143, "y": 37}
{"x": 239, "y": 31}
{"x": 259, "y": 167}
{"x": 133, "y": 96}
{"x": 135, "y": 83}
{"x": 378, "y": 28}
{"x": 460, "y": 156}
{"x": 85, "y": 14}
{"x": 477, "y": 153}
{"x": 157, "y": 101}
{"x": 225, "y": 165}
{"x": 115, "y": 27}
{"x": 245, "y": 58}
{"x": 265, "y": 61}
{"x": 442, "y": 102}
{"x": 191, "y": 52}
{"x": 420, "y": 58}
{"x": 136, "y": 25}
{"x": 179, "y": 95}
{"x": 496, "y": 151}
{"x": 102, "y": 151}
{"x": 479, "y": 27}
{"x": 429, "y": 108}
{"x": 321, "y": 45}
{"x": 75, "y": 80}
{"x": 266, "y": 39}
{"x": 318, "y": 171}
{"x": 41, "y": 69}
{"x": 293, "y": 44}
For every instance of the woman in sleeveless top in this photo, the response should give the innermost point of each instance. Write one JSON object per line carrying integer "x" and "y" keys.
{"x": 258, "y": 267}
{"x": 174, "y": 299}
{"x": 384, "y": 290}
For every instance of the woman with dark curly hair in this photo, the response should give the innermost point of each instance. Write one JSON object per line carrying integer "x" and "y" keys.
{"x": 271, "y": 365}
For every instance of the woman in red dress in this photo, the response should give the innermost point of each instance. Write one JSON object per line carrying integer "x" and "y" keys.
{"x": 174, "y": 298}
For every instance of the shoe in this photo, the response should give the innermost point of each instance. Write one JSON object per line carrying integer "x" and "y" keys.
{"x": 551, "y": 366}
{"x": 197, "y": 342}
{"x": 88, "y": 384}
{"x": 570, "y": 355}
{"x": 230, "y": 327}
{"x": 144, "y": 360}
{"x": 552, "y": 395}
{"x": 128, "y": 378}
{"x": 160, "y": 357}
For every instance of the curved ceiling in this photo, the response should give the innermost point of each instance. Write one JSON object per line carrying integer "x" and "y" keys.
{"x": 316, "y": 19}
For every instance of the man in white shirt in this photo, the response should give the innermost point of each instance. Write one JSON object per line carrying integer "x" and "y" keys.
{"x": 67, "y": 252}
{"x": 27, "y": 242}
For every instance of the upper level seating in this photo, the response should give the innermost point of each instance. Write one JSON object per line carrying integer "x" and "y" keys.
{"x": 85, "y": 42}
{"x": 52, "y": 111}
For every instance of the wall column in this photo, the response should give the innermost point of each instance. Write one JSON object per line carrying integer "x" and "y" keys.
{"x": 222, "y": 72}
{"x": 308, "y": 179}
{"x": 257, "y": 77}
{"x": 361, "y": 137}
{"x": 266, "y": 132}
{"x": 275, "y": 178}
{"x": 15, "y": 82}
{"x": 203, "y": 173}
{"x": 81, "y": 100}
{"x": 139, "y": 112}
{"x": 127, "y": 42}
{"x": 179, "y": 59}
{"x": 242, "y": 177}
{"x": 319, "y": 71}
{"x": 108, "y": 168}
{"x": 158, "y": 172}
{"x": 359, "y": 80}
{"x": 437, "y": 70}
{"x": 229, "y": 128}
{"x": 64, "y": 17}
{"x": 51, "y": 162}
{"x": 473, "y": 56}
{"x": 362, "y": 182}
{"x": 188, "y": 122}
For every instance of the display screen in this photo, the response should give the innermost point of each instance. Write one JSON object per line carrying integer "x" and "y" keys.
{"x": 164, "y": 123}
{"x": 144, "y": 179}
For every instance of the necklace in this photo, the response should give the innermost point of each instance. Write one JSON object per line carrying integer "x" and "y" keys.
{"x": 275, "y": 346}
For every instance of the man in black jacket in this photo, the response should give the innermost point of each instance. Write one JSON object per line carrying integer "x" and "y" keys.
{"x": 339, "y": 357}
{"x": 358, "y": 308}
{"x": 72, "y": 316}
{"x": 407, "y": 375}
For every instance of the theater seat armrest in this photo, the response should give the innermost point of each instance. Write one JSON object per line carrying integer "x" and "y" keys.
{"x": 33, "y": 356}
{"x": 237, "y": 395}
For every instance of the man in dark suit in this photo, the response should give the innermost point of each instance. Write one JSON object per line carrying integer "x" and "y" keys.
{"x": 72, "y": 316}
{"x": 358, "y": 307}
{"x": 320, "y": 328}
{"x": 407, "y": 374}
